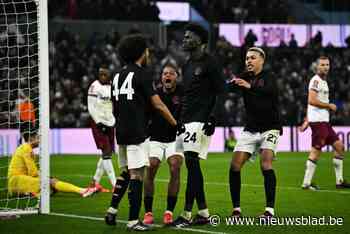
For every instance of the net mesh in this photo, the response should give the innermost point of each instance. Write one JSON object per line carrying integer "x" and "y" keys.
{"x": 19, "y": 91}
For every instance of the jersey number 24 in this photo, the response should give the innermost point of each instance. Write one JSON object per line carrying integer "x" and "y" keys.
{"x": 125, "y": 88}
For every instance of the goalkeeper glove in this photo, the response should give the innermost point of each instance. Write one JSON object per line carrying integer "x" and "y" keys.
{"x": 209, "y": 126}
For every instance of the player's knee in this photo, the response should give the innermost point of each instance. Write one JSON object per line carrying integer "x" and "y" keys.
{"x": 175, "y": 163}
{"x": 154, "y": 163}
{"x": 192, "y": 162}
{"x": 266, "y": 165}
{"x": 137, "y": 174}
{"x": 339, "y": 147}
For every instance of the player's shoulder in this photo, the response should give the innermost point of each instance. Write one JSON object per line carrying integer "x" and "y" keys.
{"x": 24, "y": 149}
{"x": 95, "y": 84}
{"x": 315, "y": 78}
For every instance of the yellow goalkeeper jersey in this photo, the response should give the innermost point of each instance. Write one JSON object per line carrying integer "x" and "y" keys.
{"x": 22, "y": 162}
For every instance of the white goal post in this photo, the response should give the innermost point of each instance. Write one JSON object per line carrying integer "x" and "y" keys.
{"x": 24, "y": 77}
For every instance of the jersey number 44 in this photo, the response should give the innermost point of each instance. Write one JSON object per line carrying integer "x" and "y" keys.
{"x": 126, "y": 87}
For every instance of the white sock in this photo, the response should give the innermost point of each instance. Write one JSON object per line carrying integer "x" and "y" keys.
{"x": 309, "y": 172}
{"x": 132, "y": 223}
{"x": 99, "y": 171}
{"x": 204, "y": 213}
{"x": 338, "y": 168}
{"x": 187, "y": 215}
{"x": 112, "y": 210}
{"x": 271, "y": 210}
{"x": 237, "y": 209}
{"x": 108, "y": 167}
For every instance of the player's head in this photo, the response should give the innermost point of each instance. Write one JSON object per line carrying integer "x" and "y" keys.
{"x": 169, "y": 76}
{"x": 322, "y": 66}
{"x": 103, "y": 75}
{"x": 195, "y": 36}
{"x": 255, "y": 59}
{"x": 134, "y": 49}
{"x": 30, "y": 134}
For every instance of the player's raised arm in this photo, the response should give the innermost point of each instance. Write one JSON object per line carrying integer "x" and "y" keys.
{"x": 158, "y": 104}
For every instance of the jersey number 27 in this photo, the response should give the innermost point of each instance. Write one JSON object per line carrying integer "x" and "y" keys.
{"x": 125, "y": 88}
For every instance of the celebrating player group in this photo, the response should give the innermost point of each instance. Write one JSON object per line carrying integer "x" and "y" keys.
{"x": 174, "y": 123}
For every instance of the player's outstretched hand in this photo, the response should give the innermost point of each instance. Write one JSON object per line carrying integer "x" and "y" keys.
{"x": 103, "y": 128}
{"x": 332, "y": 107}
{"x": 209, "y": 126}
{"x": 180, "y": 128}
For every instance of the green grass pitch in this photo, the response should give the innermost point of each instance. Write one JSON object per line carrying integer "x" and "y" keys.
{"x": 292, "y": 201}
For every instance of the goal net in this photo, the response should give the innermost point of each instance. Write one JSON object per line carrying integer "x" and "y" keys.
{"x": 24, "y": 102}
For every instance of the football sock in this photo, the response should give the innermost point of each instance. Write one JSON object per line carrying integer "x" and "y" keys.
{"x": 187, "y": 215}
{"x": 148, "y": 202}
{"x": 108, "y": 167}
{"x": 270, "y": 187}
{"x": 120, "y": 189}
{"x": 204, "y": 213}
{"x": 338, "y": 168}
{"x": 192, "y": 164}
{"x": 135, "y": 199}
{"x": 235, "y": 187}
{"x": 200, "y": 195}
{"x": 271, "y": 210}
{"x": 99, "y": 171}
{"x": 309, "y": 172}
{"x": 67, "y": 187}
{"x": 171, "y": 203}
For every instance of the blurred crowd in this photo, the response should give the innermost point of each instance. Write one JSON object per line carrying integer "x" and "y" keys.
{"x": 74, "y": 65}
{"x": 214, "y": 11}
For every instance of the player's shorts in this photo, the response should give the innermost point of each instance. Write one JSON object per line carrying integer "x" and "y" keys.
{"x": 23, "y": 184}
{"x": 194, "y": 139}
{"x": 253, "y": 142}
{"x": 104, "y": 142}
{"x": 134, "y": 156}
{"x": 160, "y": 150}
{"x": 322, "y": 134}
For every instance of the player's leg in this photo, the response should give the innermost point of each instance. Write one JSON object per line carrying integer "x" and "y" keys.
{"x": 310, "y": 168}
{"x": 151, "y": 172}
{"x": 238, "y": 160}
{"x": 174, "y": 162}
{"x": 107, "y": 151}
{"x": 108, "y": 166}
{"x": 269, "y": 180}
{"x": 269, "y": 141}
{"x": 65, "y": 187}
{"x": 245, "y": 147}
{"x": 138, "y": 159}
{"x": 23, "y": 184}
{"x": 119, "y": 188}
{"x": 318, "y": 140}
{"x": 338, "y": 164}
{"x": 98, "y": 173}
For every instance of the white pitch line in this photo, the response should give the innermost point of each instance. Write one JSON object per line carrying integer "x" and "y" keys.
{"x": 124, "y": 221}
{"x": 226, "y": 184}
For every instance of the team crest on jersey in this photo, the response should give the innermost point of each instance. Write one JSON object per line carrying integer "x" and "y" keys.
{"x": 197, "y": 71}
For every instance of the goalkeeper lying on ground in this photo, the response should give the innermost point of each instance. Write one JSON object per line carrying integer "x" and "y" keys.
{"x": 23, "y": 175}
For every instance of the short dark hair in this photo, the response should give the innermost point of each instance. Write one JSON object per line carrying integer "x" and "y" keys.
{"x": 323, "y": 57}
{"x": 131, "y": 47}
{"x": 28, "y": 130}
{"x": 199, "y": 31}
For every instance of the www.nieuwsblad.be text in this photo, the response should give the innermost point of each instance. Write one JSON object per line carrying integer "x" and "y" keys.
{"x": 216, "y": 220}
